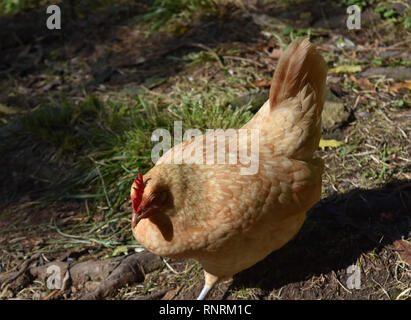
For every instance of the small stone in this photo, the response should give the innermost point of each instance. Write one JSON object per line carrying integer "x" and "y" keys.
{"x": 334, "y": 113}
{"x": 364, "y": 114}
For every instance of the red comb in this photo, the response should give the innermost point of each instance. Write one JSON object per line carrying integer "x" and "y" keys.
{"x": 138, "y": 194}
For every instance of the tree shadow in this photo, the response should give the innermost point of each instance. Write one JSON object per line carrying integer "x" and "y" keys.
{"x": 101, "y": 48}
{"x": 337, "y": 231}
{"x": 38, "y": 65}
{"x": 106, "y": 45}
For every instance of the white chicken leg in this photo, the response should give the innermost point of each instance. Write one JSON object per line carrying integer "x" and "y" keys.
{"x": 210, "y": 281}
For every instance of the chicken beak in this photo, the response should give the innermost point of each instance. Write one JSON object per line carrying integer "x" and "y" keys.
{"x": 144, "y": 210}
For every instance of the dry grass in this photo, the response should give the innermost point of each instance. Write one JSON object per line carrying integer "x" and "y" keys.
{"x": 204, "y": 91}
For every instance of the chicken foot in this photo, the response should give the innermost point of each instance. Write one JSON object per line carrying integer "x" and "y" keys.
{"x": 209, "y": 283}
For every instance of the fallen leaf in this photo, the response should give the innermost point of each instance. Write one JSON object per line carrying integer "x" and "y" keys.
{"x": 363, "y": 100}
{"x": 153, "y": 82}
{"x": 404, "y": 249}
{"x": 400, "y": 85}
{"x": 171, "y": 294}
{"x": 363, "y": 83}
{"x": 119, "y": 250}
{"x": 346, "y": 69}
{"x": 330, "y": 143}
{"x": 180, "y": 30}
{"x": 7, "y": 110}
{"x": 334, "y": 113}
{"x": 266, "y": 46}
{"x": 262, "y": 82}
{"x": 53, "y": 295}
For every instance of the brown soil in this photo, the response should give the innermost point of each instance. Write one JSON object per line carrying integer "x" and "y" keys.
{"x": 369, "y": 227}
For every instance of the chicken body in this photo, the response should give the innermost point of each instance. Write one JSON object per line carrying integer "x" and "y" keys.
{"x": 227, "y": 220}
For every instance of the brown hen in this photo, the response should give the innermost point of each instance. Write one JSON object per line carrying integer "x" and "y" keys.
{"x": 216, "y": 214}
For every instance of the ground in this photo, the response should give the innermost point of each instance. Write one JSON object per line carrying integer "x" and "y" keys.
{"x": 77, "y": 108}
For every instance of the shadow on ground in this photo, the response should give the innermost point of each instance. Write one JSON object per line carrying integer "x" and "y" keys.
{"x": 40, "y": 66}
{"x": 97, "y": 47}
{"x": 101, "y": 48}
{"x": 338, "y": 230}
{"x": 104, "y": 47}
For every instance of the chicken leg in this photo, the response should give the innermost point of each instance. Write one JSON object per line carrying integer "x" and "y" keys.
{"x": 209, "y": 283}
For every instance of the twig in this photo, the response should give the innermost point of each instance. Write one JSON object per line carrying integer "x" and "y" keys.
{"x": 22, "y": 270}
{"x": 170, "y": 267}
{"x": 170, "y": 295}
{"x": 156, "y": 94}
{"x": 244, "y": 59}
{"x": 153, "y": 296}
{"x": 382, "y": 288}
{"x": 53, "y": 295}
{"x": 338, "y": 281}
{"x": 385, "y": 116}
{"x": 403, "y": 293}
{"x": 356, "y": 102}
{"x": 211, "y": 51}
{"x": 104, "y": 187}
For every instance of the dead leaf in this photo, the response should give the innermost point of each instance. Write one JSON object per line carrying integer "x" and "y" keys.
{"x": 262, "y": 83}
{"x": 363, "y": 100}
{"x": 400, "y": 85}
{"x": 53, "y": 295}
{"x": 266, "y": 46}
{"x": 180, "y": 30}
{"x": 346, "y": 69}
{"x": 276, "y": 54}
{"x": 330, "y": 143}
{"x": 363, "y": 83}
{"x": 7, "y": 110}
{"x": 171, "y": 294}
{"x": 404, "y": 249}
{"x": 154, "y": 295}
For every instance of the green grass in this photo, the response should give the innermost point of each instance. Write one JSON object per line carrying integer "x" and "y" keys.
{"x": 92, "y": 150}
{"x": 18, "y": 6}
{"x": 105, "y": 144}
{"x": 361, "y": 3}
{"x": 389, "y": 13}
{"x": 164, "y": 11}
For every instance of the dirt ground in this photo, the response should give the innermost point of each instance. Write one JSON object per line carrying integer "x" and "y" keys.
{"x": 363, "y": 221}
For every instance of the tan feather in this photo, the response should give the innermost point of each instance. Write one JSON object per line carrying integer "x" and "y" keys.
{"x": 229, "y": 221}
{"x": 299, "y": 65}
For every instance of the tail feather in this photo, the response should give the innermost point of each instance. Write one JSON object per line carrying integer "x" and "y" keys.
{"x": 292, "y": 114}
{"x": 300, "y": 65}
